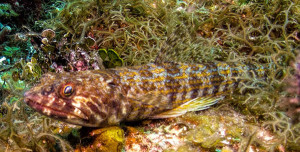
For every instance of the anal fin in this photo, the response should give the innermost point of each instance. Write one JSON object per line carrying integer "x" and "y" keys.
{"x": 196, "y": 104}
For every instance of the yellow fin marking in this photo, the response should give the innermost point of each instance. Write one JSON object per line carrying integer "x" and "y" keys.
{"x": 196, "y": 104}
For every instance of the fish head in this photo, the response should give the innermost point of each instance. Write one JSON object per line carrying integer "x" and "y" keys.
{"x": 75, "y": 97}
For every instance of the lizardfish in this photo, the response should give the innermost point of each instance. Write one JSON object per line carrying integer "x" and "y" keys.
{"x": 96, "y": 98}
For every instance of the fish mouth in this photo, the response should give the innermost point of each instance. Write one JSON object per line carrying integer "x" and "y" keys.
{"x": 31, "y": 100}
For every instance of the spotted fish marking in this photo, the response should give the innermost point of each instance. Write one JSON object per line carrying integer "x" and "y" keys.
{"x": 98, "y": 98}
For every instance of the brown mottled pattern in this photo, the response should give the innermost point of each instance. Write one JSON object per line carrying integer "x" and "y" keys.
{"x": 107, "y": 97}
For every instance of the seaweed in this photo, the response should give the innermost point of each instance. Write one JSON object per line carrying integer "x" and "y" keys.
{"x": 7, "y": 11}
{"x": 26, "y": 137}
{"x": 110, "y": 58}
{"x": 280, "y": 123}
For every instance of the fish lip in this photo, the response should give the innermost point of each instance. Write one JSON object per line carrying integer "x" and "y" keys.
{"x": 59, "y": 114}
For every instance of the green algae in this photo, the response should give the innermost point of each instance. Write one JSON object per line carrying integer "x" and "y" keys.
{"x": 7, "y": 11}
{"x": 111, "y": 58}
{"x": 10, "y": 51}
{"x": 31, "y": 136}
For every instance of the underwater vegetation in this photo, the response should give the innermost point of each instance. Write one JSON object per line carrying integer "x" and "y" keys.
{"x": 77, "y": 35}
{"x": 7, "y": 11}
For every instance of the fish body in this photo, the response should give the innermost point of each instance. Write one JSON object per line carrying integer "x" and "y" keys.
{"x": 98, "y": 98}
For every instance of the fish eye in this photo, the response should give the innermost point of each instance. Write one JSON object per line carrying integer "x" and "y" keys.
{"x": 68, "y": 90}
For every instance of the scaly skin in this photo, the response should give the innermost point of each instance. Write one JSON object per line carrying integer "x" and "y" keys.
{"x": 108, "y": 97}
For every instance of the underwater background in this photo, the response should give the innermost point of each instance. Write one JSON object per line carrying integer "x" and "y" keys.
{"x": 40, "y": 36}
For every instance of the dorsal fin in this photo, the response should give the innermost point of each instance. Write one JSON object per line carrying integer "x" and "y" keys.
{"x": 173, "y": 39}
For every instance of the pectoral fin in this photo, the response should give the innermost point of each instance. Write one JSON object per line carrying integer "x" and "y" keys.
{"x": 196, "y": 104}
